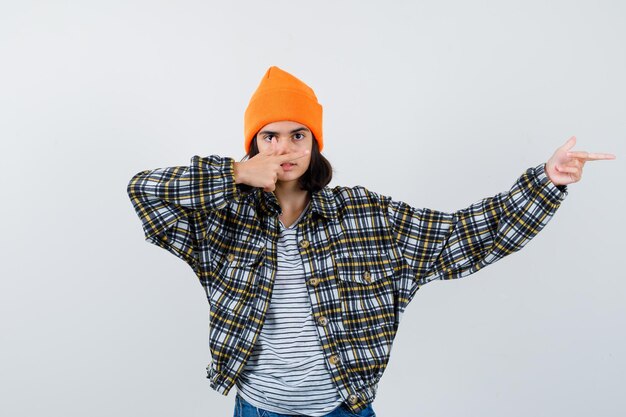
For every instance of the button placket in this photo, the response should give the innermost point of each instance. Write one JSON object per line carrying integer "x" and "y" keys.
{"x": 334, "y": 359}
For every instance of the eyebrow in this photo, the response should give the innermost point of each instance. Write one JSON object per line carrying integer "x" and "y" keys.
{"x": 293, "y": 131}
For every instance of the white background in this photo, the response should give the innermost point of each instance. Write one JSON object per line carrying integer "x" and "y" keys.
{"x": 437, "y": 103}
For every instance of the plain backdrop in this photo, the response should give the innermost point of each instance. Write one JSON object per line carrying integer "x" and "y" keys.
{"x": 436, "y": 103}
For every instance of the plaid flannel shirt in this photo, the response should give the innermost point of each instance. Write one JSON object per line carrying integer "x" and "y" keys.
{"x": 364, "y": 254}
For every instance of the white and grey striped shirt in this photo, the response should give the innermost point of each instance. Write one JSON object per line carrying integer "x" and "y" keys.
{"x": 286, "y": 372}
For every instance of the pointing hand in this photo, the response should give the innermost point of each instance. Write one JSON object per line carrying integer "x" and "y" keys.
{"x": 566, "y": 166}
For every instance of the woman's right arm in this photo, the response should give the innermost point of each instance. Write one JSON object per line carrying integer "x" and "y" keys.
{"x": 171, "y": 201}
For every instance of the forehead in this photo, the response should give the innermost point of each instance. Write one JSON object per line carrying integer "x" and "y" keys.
{"x": 283, "y": 125}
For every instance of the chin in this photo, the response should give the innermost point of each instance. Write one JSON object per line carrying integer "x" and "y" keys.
{"x": 291, "y": 176}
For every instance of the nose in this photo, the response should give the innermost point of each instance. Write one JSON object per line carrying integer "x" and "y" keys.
{"x": 282, "y": 146}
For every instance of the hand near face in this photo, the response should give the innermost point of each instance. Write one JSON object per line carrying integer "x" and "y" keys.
{"x": 566, "y": 166}
{"x": 262, "y": 169}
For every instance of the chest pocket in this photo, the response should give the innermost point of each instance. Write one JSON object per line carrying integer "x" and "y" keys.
{"x": 364, "y": 268}
{"x": 237, "y": 260}
{"x": 365, "y": 283}
{"x": 234, "y": 276}
{"x": 235, "y": 271}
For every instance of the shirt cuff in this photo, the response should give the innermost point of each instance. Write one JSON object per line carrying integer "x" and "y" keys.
{"x": 555, "y": 192}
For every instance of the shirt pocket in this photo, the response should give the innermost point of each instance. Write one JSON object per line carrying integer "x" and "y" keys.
{"x": 233, "y": 278}
{"x": 365, "y": 283}
{"x": 237, "y": 259}
{"x": 367, "y": 269}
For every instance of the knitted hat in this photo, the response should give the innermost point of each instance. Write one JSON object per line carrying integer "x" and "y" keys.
{"x": 281, "y": 96}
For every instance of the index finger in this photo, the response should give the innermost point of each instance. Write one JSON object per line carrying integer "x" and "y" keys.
{"x": 293, "y": 155}
{"x": 591, "y": 156}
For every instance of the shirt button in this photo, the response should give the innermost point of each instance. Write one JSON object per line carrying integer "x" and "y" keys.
{"x": 352, "y": 399}
{"x": 335, "y": 359}
{"x": 322, "y": 321}
{"x": 230, "y": 257}
{"x": 314, "y": 281}
{"x": 304, "y": 243}
{"x": 367, "y": 276}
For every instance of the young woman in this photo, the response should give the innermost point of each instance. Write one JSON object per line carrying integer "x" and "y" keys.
{"x": 307, "y": 284}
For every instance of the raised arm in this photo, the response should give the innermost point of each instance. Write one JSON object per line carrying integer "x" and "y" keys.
{"x": 439, "y": 245}
{"x": 170, "y": 201}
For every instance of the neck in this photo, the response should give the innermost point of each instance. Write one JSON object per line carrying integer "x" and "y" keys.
{"x": 290, "y": 196}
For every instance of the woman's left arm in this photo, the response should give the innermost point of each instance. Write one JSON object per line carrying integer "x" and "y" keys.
{"x": 439, "y": 245}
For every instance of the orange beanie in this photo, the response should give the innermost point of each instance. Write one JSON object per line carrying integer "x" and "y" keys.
{"x": 281, "y": 96}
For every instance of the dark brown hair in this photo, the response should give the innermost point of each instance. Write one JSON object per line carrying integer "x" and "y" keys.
{"x": 317, "y": 176}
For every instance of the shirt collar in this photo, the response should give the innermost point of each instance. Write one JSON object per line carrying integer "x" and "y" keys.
{"x": 322, "y": 202}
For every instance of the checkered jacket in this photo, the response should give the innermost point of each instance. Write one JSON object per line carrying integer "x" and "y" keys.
{"x": 364, "y": 254}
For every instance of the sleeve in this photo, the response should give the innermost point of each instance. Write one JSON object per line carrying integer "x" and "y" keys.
{"x": 171, "y": 201}
{"x": 439, "y": 245}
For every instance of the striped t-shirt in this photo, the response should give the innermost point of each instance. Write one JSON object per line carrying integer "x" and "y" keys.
{"x": 286, "y": 372}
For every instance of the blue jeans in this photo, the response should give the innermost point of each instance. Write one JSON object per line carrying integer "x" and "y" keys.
{"x": 245, "y": 409}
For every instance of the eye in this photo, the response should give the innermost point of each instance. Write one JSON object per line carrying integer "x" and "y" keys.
{"x": 301, "y": 134}
{"x": 266, "y": 138}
